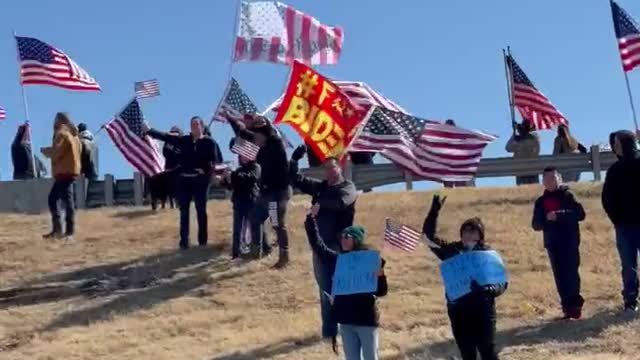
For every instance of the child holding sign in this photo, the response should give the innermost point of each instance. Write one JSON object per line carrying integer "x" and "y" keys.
{"x": 356, "y": 313}
{"x": 472, "y": 316}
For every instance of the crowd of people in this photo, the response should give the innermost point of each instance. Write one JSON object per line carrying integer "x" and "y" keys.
{"x": 262, "y": 187}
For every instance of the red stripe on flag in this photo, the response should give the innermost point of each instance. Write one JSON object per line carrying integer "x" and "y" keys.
{"x": 322, "y": 43}
{"x": 256, "y": 48}
{"x": 306, "y": 39}
{"x": 275, "y": 46}
{"x": 291, "y": 26}
{"x": 241, "y": 46}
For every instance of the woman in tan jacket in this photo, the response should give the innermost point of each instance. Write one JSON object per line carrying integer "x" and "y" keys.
{"x": 65, "y": 167}
{"x": 565, "y": 143}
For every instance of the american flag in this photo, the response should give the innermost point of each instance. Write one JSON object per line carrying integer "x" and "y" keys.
{"x": 3, "y": 113}
{"x": 147, "y": 88}
{"x": 532, "y": 104}
{"x": 628, "y": 37}
{"x": 234, "y": 101}
{"x": 400, "y": 236}
{"x": 428, "y": 149}
{"x": 42, "y": 64}
{"x": 361, "y": 95}
{"x": 125, "y": 130}
{"x": 245, "y": 148}
{"x": 274, "y": 32}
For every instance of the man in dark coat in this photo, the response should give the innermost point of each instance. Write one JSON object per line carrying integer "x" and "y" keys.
{"x": 336, "y": 197}
{"x": 88, "y": 154}
{"x": 557, "y": 214}
{"x": 21, "y": 156}
{"x": 620, "y": 197}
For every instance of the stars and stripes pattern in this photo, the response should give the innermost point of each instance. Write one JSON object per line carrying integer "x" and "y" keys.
{"x": 125, "y": 130}
{"x": 147, "y": 88}
{"x": 42, "y": 64}
{"x": 628, "y": 37}
{"x": 245, "y": 148}
{"x": 270, "y": 31}
{"x": 361, "y": 95}
{"x": 530, "y": 102}
{"x": 3, "y": 113}
{"x": 234, "y": 101}
{"x": 401, "y": 236}
{"x": 427, "y": 149}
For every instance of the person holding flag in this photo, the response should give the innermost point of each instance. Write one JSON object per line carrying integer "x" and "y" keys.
{"x": 197, "y": 158}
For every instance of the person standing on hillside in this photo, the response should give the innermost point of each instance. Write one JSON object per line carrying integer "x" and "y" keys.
{"x": 336, "y": 198}
{"x": 171, "y": 152}
{"x": 65, "y": 167}
{"x": 557, "y": 214}
{"x": 620, "y": 197}
{"x": 473, "y": 316}
{"x": 21, "y": 155}
{"x": 275, "y": 189}
{"x": 565, "y": 143}
{"x": 524, "y": 144}
{"x": 198, "y": 156}
{"x": 88, "y": 155}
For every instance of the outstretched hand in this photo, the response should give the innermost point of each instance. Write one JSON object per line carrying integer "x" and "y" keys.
{"x": 299, "y": 152}
{"x": 438, "y": 202}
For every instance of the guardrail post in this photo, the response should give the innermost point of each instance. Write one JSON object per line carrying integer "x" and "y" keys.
{"x": 108, "y": 190}
{"x": 595, "y": 162}
{"x": 81, "y": 192}
{"x": 138, "y": 189}
{"x": 408, "y": 178}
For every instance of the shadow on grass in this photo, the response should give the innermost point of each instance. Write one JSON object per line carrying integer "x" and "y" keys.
{"x": 282, "y": 347}
{"x": 556, "y": 331}
{"x": 135, "y": 214}
{"x": 100, "y": 280}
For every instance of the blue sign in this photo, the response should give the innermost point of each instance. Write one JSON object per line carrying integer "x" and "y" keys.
{"x": 485, "y": 267}
{"x": 356, "y": 272}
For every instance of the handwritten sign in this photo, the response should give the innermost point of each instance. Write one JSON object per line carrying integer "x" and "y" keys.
{"x": 356, "y": 272}
{"x": 485, "y": 267}
{"x": 317, "y": 109}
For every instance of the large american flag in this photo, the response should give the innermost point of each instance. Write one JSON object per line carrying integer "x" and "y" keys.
{"x": 428, "y": 149}
{"x": 628, "y": 37}
{"x": 274, "y": 32}
{"x": 400, "y": 236}
{"x": 360, "y": 94}
{"x": 147, "y": 88}
{"x": 245, "y": 148}
{"x": 3, "y": 113}
{"x": 234, "y": 101}
{"x": 125, "y": 130}
{"x": 42, "y": 64}
{"x": 532, "y": 104}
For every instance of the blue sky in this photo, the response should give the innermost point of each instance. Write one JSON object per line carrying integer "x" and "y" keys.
{"x": 437, "y": 59}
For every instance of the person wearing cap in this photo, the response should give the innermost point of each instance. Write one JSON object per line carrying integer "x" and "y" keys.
{"x": 197, "y": 159}
{"x": 620, "y": 197}
{"x": 558, "y": 214}
{"x": 275, "y": 189}
{"x": 472, "y": 316}
{"x": 357, "y": 314}
{"x": 336, "y": 197}
{"x": 524, "y": 144}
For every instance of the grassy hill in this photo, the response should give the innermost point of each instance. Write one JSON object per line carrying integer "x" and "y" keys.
{"x": 122, "y": 291}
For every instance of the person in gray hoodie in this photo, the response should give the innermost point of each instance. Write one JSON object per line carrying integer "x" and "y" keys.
{"x": 336, "y": 197}
{"x": 88, "y": 154}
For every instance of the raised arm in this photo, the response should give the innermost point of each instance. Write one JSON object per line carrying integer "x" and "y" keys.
{"x": 439, "y": 247}
{"x": 315, "y": 241}
{"x": 163, "y": 136}
{"x": 305, "y": 184}
{"x": 240, "y": 129}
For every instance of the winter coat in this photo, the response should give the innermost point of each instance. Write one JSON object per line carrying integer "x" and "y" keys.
{"x": 524, "y": 147}
{"x": 245, "y": 183}
{"x": 65, "y": 153}
{"x": 88, "y": 155}
{"x": 355, "y": 309}
{"x": 195, "y": 157}
{"x": 564, "y": 232}
{"x": 21, "y": 157}
{"x": 621, "y": 190}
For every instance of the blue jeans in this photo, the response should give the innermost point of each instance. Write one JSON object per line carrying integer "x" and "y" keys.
{"x": 323, "y": 274}
{"x": 628, "y": 243}
{"x": 241, "y": 212}
{"x": 62, "y": 190}
{"x": 359, "y": 342}
{"x": 261, "y": 212}
{"x": 197, "y": 189}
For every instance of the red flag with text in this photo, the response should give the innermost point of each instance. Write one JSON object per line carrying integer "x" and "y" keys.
{"x": 319, "y": 112}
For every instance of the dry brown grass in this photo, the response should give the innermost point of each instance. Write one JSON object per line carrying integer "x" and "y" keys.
{"x": 149, "y": 301}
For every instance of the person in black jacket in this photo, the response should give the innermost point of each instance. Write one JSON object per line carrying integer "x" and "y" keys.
{"x": 244, "y": 182}
{"x": 275, "y": 190}
{"x": 336, "y": 197}
{"x": 473, "y": 316}
{"x": 88, "y": 153}
{"x": 198, "y": 156}
{"x": 171, "y": 152}
{"x": 557, "y": 214}
{"x": 21, "y": 156}
{"x": 357, "y": 314}
{"x": 620, "y": 199}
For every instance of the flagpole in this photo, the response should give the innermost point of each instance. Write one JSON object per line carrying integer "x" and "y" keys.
{"x": 508, "y": 74}
{"x": 25, "y": 104}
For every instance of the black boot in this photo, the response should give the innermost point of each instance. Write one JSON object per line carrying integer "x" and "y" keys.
{"x": 283, "y": 259}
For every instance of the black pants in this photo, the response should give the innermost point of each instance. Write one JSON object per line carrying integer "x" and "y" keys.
{"x": 474, "y": 327}
{"x": 194, "y": 188}
{"x": 62, "y": 190}
{"x": 565, "y": 262}
{"x": 273, "y": 206}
